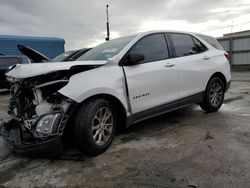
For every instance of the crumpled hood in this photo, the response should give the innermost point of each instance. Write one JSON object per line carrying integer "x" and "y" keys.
{"x": 22, "y": 71}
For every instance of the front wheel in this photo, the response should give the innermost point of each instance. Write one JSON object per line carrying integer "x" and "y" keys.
{"x": 95, "y": 126}
{"x": 214, "y": 95}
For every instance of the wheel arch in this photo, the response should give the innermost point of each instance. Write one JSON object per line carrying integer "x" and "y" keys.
{"x": 119, "y": 107}
{"x": 221, "y": 76}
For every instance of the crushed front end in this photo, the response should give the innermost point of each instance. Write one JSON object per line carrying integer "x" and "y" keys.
{"x": 39, "y": 113}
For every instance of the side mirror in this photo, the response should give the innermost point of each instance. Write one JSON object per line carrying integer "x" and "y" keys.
{"x": 133, "y": 58}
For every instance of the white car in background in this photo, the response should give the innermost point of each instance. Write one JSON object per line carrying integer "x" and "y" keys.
{"x": 115, "y": 84}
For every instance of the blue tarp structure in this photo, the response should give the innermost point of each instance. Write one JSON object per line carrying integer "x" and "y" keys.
{"x": 49, "y": 46}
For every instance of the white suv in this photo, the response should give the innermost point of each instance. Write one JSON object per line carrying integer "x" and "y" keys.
{"x": 116, "y": 84}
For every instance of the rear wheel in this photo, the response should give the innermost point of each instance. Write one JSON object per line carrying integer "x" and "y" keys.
{"x": 95, "y": 126}
{"x": 214, "y": 95}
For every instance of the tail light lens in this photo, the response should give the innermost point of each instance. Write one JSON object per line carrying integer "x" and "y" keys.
{"x": 227, "y": 55}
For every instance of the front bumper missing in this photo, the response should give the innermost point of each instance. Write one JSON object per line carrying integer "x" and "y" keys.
{"x": 22, "y": 141}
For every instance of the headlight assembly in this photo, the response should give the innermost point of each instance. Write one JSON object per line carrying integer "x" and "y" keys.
{"x": 48, "y": 124}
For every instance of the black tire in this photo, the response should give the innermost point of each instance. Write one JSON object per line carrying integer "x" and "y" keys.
{"x": 209, "y": 104}
{"x": 85, "y": 121}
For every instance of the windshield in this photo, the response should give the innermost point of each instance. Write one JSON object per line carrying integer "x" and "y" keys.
{"x": 62, "y": 56}
{"x": 106, "y": 50}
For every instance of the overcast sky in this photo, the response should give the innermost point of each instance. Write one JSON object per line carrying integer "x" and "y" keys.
{"x": 82, "y": 23}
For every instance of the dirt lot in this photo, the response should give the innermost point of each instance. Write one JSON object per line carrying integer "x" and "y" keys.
{"x": 180, "y": 149}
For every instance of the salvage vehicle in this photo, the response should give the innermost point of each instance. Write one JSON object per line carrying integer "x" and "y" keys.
{"x": 116, "y": 84}
{"x": 70, "y": 55}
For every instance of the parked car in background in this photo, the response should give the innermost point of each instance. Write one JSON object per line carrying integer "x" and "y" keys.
{"x": 5, "y": 63}
{"x": 70, "y": 55}
{"x": 37, "y": 57}
{"x": 33, "y": 55}
{"x": 29, "y": 56}
{"x": 116, "y": 84}
{"x": 50, "y": 46}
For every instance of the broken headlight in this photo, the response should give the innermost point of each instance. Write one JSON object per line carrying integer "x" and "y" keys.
{"x": 49, "y": 123}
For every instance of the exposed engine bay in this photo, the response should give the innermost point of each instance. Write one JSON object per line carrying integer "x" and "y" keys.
{"x": 39, "y": 112}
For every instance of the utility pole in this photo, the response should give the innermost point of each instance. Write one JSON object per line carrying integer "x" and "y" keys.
{"x": 107, "y": 12}
{"x": 232, "y": 26}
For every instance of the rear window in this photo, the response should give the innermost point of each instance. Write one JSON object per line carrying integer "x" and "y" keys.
{"x": 212, "y": 41}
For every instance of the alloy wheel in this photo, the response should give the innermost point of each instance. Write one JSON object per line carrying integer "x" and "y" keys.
{"x": 102, "y": 126}
{"x": 216, "y": 94}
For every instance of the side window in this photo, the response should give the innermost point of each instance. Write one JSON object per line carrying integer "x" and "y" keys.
{"x": 183, "y": 44}
{"x": 199, "y": 46}
{"x": 153, "y": 47}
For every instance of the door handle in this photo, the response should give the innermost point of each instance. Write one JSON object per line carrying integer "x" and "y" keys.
{"x": 206, "y": 57}
{"x": 169, "y": 65}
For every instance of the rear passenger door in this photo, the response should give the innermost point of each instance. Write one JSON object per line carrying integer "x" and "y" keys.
{"x": 192, "y": 61}
{"x": 153, "y": 81}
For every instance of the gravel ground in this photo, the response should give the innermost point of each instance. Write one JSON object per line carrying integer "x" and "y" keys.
{"x": 183, "y": 148}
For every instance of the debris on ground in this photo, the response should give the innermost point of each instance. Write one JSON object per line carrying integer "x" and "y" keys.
{"x": 210, "y": 147}
{"x": 173, "y": 180}
{"x": 208, "y": 136}
{"x": 192, "y": 185}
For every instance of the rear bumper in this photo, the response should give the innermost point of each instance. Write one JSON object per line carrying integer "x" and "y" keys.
{"x": 16, "y": 140}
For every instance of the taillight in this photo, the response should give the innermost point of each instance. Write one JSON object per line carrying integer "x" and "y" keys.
{"x": 227, "y": 55}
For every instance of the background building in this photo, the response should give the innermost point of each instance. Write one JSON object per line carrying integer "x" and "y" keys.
{"x": 49, "y": 46}
{"x": 238, "y": 46}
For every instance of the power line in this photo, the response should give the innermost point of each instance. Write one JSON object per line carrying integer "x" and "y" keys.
{"x": 226, "y": 26}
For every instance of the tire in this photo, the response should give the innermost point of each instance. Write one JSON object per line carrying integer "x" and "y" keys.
{"x": 214, "y": 95}
{"x": 94, "y": 133}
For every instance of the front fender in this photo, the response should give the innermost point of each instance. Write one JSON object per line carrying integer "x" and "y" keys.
{"x": 107, "y": 79}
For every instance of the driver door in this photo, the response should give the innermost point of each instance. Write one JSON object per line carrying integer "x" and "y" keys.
{"x": 152, "y": 82}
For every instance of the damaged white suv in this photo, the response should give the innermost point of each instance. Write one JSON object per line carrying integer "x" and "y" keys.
{"x": 116, "y": 84}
